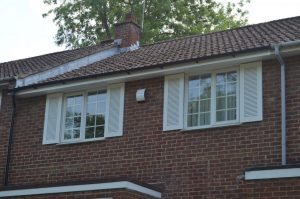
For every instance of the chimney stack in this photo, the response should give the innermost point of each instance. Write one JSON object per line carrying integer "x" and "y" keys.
{"x": 128, "y": 32}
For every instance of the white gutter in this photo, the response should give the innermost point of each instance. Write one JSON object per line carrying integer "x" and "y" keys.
{"x": 80, "y": 188}
{"x": 227, "y": 61}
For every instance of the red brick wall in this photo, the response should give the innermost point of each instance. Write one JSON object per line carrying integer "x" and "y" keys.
{"x": 192, "y": 164}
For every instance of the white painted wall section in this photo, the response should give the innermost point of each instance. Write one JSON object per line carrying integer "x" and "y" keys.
{"x": 86, "y": 187}
{"x": 272, "y": 174}
{"x": 73, "y": 65}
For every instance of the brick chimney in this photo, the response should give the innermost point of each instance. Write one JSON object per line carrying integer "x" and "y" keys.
{"x": 128, "y": 32}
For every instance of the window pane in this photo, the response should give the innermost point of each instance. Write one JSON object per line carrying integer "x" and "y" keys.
{"x": 232, "y": 76}
{"x": 204, "y": 119}
{"x": 226, "y": 91}
{"x": 193, "y": 94}
{"x": 199, "y": 99}
{"x": 231, "y": 114}
{"x": 99, "y": 131}
{"x": 221, "y": 103}
{"x": 73, "y": 117}
{"x": 221, "y": 78}
{"x": 231, "y": 89}
{"x": 192, "y": 120}
{"x": 205, "y": 105}
{"x": 231, "y": 102}
{"x": 100, "y": 120}
{"x": 193, "y": 107}
{"x": 95, "y": 117}
{"x": 89, "y": 133}
{"x": 221, "y": 90}
{"x": 221, "y": 116}
{"x": 68, "y": 134}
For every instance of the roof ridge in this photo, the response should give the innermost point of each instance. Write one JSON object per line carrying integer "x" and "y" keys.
{"x": 221, "y": 31}
{"x": 54, "y": 53}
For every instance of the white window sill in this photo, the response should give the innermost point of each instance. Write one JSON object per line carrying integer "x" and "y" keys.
{"x": 211, "y": 127}
{"x": 274, "y": 173}
{"x": 81, "y": 141}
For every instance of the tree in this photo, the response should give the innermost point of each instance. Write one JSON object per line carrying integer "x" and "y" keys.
{"x": 86, "y": 22}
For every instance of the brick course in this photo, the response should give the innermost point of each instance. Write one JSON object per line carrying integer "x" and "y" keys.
{"x": 190, "y": 164}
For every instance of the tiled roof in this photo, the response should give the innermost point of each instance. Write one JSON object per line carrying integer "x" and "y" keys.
{"x": 252, "y": 37}
{"x": 227, "y": 42}
{"x": 37, "y": 64}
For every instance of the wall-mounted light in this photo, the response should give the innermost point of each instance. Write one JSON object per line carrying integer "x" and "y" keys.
{"x": 140, "y": 95}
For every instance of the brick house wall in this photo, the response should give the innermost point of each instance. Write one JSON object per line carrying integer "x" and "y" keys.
{"x": 190, "y": 164}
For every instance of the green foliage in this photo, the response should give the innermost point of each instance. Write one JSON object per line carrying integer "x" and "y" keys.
{"x": 85, "y": 22}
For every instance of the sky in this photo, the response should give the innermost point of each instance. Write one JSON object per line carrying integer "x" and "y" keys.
{"x": 25, "y": 33}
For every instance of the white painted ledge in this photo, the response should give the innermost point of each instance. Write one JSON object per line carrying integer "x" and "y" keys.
{"x": 272, "y": 173}
{"x": 85, "y": 187}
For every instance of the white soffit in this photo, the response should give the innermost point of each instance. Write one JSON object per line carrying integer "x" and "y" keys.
{"x": 272, "y": 173}
{"x": 80, "y": 188}
{"x": 76, "y": 64}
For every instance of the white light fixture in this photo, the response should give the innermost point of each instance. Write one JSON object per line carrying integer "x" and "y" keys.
{"x": 140, "y": 95}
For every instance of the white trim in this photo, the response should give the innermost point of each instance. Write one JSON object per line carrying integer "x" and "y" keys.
{"x": 224, "y": 62}
{"x": 272, "y": 173}
{"x": 86, "y": 187}
{"x": 180, "y": 78}
{"x": 34, "y": 78}
{"x": 213, "y": 98}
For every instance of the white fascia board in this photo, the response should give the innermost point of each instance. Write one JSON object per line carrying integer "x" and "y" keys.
{"x": 79, "y": 188}
{"x": 272, "y": 174}
{"x": 76, "y": 64}
{"x": 211, "y": 64}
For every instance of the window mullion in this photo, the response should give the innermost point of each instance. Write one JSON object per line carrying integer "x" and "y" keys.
{"x": 83, "y": 118}
{"x": 213, "y": 99}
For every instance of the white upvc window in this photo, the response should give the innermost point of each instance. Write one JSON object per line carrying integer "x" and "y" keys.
{"x": 84, "y": 116}
{"x": 213, "y": 98}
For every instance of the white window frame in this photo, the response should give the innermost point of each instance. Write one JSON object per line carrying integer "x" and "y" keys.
{"x": 83, "y": 117}
{"x": 213, "y": 99}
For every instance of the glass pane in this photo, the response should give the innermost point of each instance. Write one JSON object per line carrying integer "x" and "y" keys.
{"x": 77, "y": 122}
{"x": 221, "y": 78}
{"x": 100, "y": 120}
{"x": 102, "y": 96}
{"x": 69, "y": 112}
{"x": 193, "y": 107}
{"x": 76, "y": 133}
{"x": 204, "y": 105}
{"x": 69, "y": 123}
{"x": 70, "y": 101}
{"x": 221, "y": 90}
{"x": 77, "y": 110}
{"x": 68, "y": 134}
{"x": 78, "y": 99}
{"x": 99, "y": 131}
{"x": 194, "y": 94}
{"x": 221, "y": 116}
{"x": 101, "y": 107}
{"x": 231, "y": 89}
{"x": 92, "y": 97}
{"x": 91, "y": 108}
{"x": 194, "y": 81}
{"x": 192, "y": 120}
{"x": 89, "y": 133}
{"x": 204, "y": 119}
{"x": 221, "y": 103}
{"x": 90, "y": 120}
{"x": 231, "y": 102}
{"x": 231, "y": 114}
{"x": 232, "y": 76}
